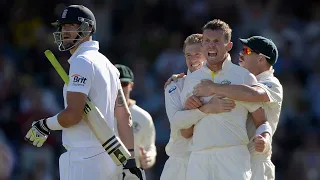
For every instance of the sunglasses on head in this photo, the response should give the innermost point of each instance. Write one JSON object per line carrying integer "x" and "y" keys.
{"x": 248, "y": 51}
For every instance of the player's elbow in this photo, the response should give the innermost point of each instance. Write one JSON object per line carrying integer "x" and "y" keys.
{"x": 187, "y": 133}
{"x": 258, "y": 95}
{"x": 74, "y": 117}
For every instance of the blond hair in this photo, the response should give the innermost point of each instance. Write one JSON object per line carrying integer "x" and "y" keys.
{"x": 218, "y": 24}
{"x": 192, "y": 39}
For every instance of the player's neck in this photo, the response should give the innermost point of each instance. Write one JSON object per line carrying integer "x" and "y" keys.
{"x": 83, "y": 41}
{"x": 215, "y": 67}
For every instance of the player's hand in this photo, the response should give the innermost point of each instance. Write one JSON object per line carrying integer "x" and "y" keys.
{"x": 204, "y": 88}
{"x": 262, "y": 142}
{"x": 38, "y": 133}
{"x": 174, "y": 78}
{"x": 145, "y": 159}
{"x": 218, "y": 105}
{"x": 193, "y": 102}
{"x": 131, "y": 172}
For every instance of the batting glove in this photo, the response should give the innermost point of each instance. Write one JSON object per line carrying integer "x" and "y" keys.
{"x": 38, "y": 133}
{"x": 132, "y": 172}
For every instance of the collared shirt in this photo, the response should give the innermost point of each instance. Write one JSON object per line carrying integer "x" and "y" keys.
{"x": 273, "y": 88}
{"x": 223, "y": 129}
{"x": 92, "y": 74}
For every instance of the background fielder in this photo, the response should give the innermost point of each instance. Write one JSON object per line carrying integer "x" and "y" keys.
{"x": 143, "y": 127}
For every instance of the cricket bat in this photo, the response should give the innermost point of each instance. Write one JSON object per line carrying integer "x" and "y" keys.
{"x": 96, "y": 122}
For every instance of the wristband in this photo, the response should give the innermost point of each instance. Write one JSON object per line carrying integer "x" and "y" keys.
{"x": 53, "y": 123}
{"x": 264, "y": 128}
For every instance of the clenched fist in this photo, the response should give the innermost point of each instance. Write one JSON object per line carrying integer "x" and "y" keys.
{"x": 262, "y": 143}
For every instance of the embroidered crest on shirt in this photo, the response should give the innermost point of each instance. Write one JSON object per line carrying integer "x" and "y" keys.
{"x": 78, "y": 80}
{"x": 136, "y": 127}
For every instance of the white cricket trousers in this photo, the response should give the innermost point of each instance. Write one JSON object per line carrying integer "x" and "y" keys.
{"x": 225, "y": 163}
{"x": 262, "y": 168}
{"x": 175, "y": 168}
{"x": 87, "y": 164}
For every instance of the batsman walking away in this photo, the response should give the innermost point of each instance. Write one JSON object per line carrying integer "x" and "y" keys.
{"x": 92, "y": 76}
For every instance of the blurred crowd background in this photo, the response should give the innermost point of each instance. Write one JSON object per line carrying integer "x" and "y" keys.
{"x": 147, "y": 35}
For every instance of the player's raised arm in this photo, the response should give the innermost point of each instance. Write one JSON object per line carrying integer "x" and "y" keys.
{"x": 124, "y": 121}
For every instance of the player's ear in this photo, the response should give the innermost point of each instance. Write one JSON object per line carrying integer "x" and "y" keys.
{"x": 131, "y": 84}
{"x": 229, "y": 46}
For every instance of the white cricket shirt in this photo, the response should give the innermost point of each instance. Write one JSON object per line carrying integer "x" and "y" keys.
{"x": 223, "y": 129}
{"x": 143, "y": 130}
{"x": 273, "y": 88}
{"x": 179, "y": 119}
{"x": 91, "y": 73}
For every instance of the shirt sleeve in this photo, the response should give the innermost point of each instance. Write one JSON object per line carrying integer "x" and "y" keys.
{"x": 273, "y": 89}
{"x": 81, "y": 75}
{"x": 150, "y": 133}
{"x": 178, "y": 117}
{"x": 251, "y": 106}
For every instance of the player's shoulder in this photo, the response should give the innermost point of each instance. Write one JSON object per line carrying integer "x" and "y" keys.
{"x": 196, "y": 74}
{"x": 271, "y": 82}
{"x": 240, "y": 70}
{"x": 143, "y": 114}
{"x": 175, "y": 86}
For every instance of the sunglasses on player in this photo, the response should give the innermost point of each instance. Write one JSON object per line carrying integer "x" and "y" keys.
{"x": 248, "y": 51}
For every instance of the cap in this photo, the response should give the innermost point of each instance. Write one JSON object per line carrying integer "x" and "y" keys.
{"x": 263, "y": 46}
{"x": 126, "y": 75}
{"x": 76, "y": 14}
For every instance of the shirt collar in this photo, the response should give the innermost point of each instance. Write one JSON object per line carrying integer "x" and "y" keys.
{"x": 225, "y": 65}
{"x": 265, "y": 74}
{"x": 92, "y": 45}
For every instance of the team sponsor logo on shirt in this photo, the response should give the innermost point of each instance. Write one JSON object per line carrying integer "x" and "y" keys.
{"x": 172, "y": 89}
{"x": 78, "y": 80}
{"x": 267, "y": 85}
{"x": 226, "y": 82}
{"x": 136, "y": 127}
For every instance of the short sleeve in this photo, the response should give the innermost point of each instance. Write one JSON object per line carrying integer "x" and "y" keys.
{"x": 273, "y": 89}
{"x": 81, "y": 76}
{"x": 251, "y": 106}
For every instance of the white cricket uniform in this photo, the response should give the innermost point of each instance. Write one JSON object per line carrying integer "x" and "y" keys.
{"x": 219, "y": 142}
{"x": 177, "y": 147}
{"x": 90, "y": 73}
{"x": 144, "y": 133}
{"x": 261, "y": 165}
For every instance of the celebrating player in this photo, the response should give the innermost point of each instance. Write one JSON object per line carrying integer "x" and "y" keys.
{"x": 219, "y": 141}
{"x": 177, "y": 148}
{"x": 143, "y": 127}
{"x": 91, "y": 74}
{"x": 258, "y": 56}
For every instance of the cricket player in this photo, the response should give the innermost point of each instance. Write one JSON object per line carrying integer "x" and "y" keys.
{"x": 143, "y": 127}
{"x": 219, "y": 142}
{"x": 258, "y": 56}
{"x": 91, "y": 74}
{"x": 177, "y": 148}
